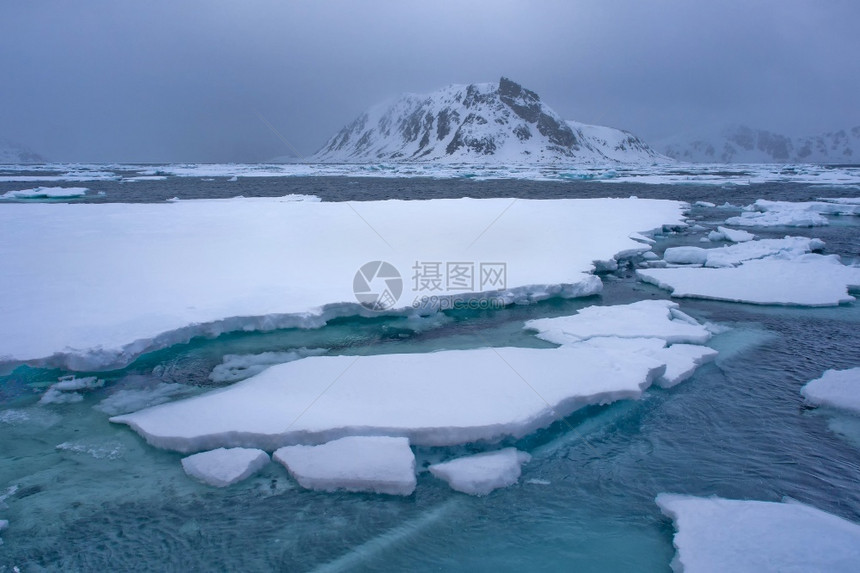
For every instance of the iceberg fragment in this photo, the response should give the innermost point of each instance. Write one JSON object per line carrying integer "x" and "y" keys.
{"x": 480, "y": 474}
{"x": 224, "y": 467}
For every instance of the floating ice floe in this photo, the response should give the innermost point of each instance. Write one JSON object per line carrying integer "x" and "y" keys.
{"x": 46, "y": 193}
{"x": 643, "y": 319}
{"x": 67, "y": 389}
{"x": 765, "y": 213}
{"x": 480, "y": 474}
{"x": 92, "y": 286}
{"x": 644, "y": 328}
{"x": 806, "y": 280}
{"x": 715, "y": 534}
{"x": 836, "y": 388}
{"x": 224, "y": 467}
{"x": 733, "y": 255}
{"x": 362, "y": 463}
{"x": 441, "y": 398}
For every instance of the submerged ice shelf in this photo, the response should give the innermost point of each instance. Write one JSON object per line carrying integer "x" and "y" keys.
{"x": 92, "y": 286}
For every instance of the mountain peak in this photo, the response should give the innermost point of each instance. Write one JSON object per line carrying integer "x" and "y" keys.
{"x": 475, "y": 123}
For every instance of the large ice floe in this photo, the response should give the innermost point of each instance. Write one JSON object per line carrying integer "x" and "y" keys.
{"x": 767, "y": 271}
{"x": 92, "y": 286}
{"x": 718, "y": 535}
{"x": 361, "y": 463}
{"x": 766, "y": 213}
{"x": 440, "y": 398}
{"x": 480, "y": 474}
{"x": 836, "y": 388}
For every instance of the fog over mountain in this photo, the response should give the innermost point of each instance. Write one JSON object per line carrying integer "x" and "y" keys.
{"x": 99, "y": 80}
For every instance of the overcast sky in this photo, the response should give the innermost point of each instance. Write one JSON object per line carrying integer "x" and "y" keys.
{"x": 159, "y": 80}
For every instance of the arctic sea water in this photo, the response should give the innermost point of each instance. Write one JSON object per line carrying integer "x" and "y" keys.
{"x": 82, "y": 494}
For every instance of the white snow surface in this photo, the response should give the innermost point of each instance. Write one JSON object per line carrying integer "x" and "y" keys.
{"x": 434, "y": 399}
{"x": 836, "y": 388}
{"x": 224, "y": 467}
{"x": 92, "y": 286}
{"x": 480, "y": 474}
{"x": 719, "y": 535}
{"x": 360, "y": 463}
{"x": 46, "y": 193}
{"x": 661, "y": 319}
{"x": 806, "y": 280}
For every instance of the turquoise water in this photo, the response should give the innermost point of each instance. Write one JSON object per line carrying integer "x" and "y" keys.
{"x": 83, "y": 494}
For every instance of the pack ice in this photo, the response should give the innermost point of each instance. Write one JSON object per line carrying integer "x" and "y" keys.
{"x": 92, "y": 286}
{"x": 767, "y": 271}
{"x": 766, "y": 213}
{"x": 715, "y": 534}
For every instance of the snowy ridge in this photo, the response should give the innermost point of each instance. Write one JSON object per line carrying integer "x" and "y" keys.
{"x": 742, "y": 144}
{"x": 482, "y": 123}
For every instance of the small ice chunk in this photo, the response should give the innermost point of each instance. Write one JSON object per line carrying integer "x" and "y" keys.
{"x": 537, "y": 481}
{"x": 4, "y": 525}
{"x": 66, "y": 390}
{"x": 358, "y": 463}
{"x": 836, "y": 388}
{"x": 650, "y": 256}
{"x": 225, "y": 466}
{"x": 715, "y": 236}
{"x": 643, "y": 319}
{"x": 482, "y": 473}
{"x": 735, "y": 235}
{"x": 685, "y": 255}
{"x": 715, "y": 534}
{"x": 704, "y": 204}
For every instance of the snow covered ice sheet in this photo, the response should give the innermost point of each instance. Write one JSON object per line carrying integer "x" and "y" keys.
{"x": 361, "y": 463}
{"x": 435, "y": 399}
{"x": 807, "y": 280}
{"x": 719, "y": 535}
{"x": 835, "y": 388}
{"x": 92, "y": 286}
{"x": 480, "y": 474}
{"x": 224, "y": 467}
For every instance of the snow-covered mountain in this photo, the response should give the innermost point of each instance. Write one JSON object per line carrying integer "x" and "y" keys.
{"x": 742, "y": 144}
{"x": 14, "y": 153}
{"x": 478, "y": 123}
